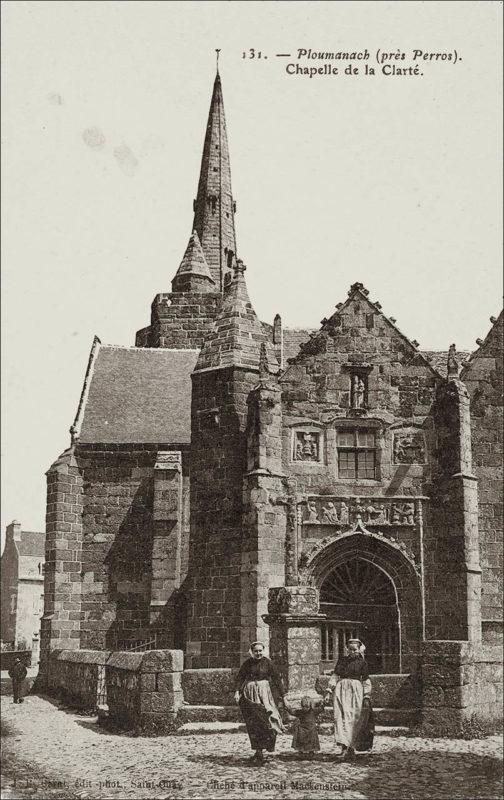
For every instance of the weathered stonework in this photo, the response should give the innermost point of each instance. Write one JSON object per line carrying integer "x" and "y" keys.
{"x": 144, "y": 690}
{"x": 483, "y": 377}
{"x": 329, "y": 471}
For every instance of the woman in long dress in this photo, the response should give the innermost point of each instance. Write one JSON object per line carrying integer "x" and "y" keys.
{"x": 258, "y": 708}
{"x": 350, "y": 691}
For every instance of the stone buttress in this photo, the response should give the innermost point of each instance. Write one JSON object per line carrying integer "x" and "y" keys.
{"x": 220, "y": 575}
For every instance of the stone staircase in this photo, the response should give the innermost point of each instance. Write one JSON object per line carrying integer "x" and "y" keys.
{"x": 197, "y": 719}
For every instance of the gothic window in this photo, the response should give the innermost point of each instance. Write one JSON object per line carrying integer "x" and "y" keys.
{"x": 357, "y": 454}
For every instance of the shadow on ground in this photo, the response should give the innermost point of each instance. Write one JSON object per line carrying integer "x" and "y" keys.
{"x": 396, "y": 774}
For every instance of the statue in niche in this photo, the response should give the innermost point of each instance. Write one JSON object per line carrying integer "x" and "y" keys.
{"x": 329, "y": 514}
{"x": 358, "y": 399}
{"x": 307, "y": 447}
{"x": 409, "y": 448}
{"x": 312, "y": 512}
{"x": 344, "y": 518}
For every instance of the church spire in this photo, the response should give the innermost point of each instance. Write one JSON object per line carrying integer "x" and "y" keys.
{"x": 214, "y": 206}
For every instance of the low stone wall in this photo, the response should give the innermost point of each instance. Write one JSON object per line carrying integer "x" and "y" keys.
{"x": 387, "y": 691}
{"x": 462, "y": 683}
{"x": 8, "y": 657}
{"x": 77, "y": 677}
{"x": 144, "y": 690}
{"x": 214, "y": 687}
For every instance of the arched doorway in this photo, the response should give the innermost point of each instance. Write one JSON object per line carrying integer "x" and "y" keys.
{"x": 371, "y": 589}
{"x": 360, "y": 600}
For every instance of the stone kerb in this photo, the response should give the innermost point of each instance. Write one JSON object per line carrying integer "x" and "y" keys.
{"x": 76, "y": 676}
{"x": 209, "y": 686}
{"x": 461, "y": 683}
{"x": 144, "y": 690}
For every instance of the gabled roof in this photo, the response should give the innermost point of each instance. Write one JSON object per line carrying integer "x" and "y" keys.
{"x": 293, "y": 340}
{"x": 32, "y": 543}
{"x": 136, "y": 395}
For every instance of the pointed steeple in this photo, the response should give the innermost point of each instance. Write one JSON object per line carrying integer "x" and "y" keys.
{"x": 193, "y": 273}
{"x": 214, "y": 206}
{"x": 237, "y": 336}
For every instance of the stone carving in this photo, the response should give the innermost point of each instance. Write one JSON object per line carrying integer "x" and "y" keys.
{"x": 370, "y": 511}
{"x": 376, "y": 515}
{"x": 358, "y": 391}
{"x": 409, "y": 448}
{"x": 452, "y": 365}
{"x": 312, "y": 512}
{"x": 307, "y": 446}
{"x": 308, "y": 557}
{"x": 329, "y": 513}
{"x": 402, "y": 514}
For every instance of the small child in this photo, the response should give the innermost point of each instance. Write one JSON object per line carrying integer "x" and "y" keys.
{"x": 305, "y": 739}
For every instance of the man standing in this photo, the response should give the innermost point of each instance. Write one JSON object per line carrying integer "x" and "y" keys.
{"x": 17, "y": 673}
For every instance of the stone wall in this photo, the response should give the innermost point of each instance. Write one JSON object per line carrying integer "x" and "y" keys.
{"x": 483, "y": 377}
{"x": 124, "y": 557}
{"x": 461, "y": 682}
{"x": 218, "y": 464}
{"x": 144, "y": 690}
{"x": 60, "y": 624}
{"x": 8, "y": 657}
{"x": 214, "y": 687}
{"x": 179, "y": 320}
{"x": 77, "y": 677}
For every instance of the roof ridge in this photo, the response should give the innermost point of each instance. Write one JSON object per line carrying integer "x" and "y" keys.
{"x": 155, "y": 349}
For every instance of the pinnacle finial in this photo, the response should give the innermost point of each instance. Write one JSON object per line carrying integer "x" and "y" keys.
{"x": 217, "y": 51}
{"x": 452, "y": 365}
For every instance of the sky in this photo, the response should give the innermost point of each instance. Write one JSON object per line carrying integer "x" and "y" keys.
{"x": 391, "y": 180}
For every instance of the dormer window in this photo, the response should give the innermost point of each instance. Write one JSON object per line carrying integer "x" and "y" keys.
{"x": 357, "y": 454}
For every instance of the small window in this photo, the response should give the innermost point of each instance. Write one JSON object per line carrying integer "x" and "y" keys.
{"x": 357, "y": 454}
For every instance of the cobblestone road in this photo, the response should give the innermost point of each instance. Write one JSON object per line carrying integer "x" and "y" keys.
{"x": 42, "y": 740}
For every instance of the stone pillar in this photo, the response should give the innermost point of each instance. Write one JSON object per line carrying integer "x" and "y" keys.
{"x": 144, "y": 690}
{"x": 264, "y": 517}
{"x": 60, "y": 624}
{"x": 461, "y": 683}
{"x": 294, "y": 620}
{"x": 166, "y": 539}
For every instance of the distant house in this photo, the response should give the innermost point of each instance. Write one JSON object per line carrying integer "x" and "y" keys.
{"x": 22, "y": 586}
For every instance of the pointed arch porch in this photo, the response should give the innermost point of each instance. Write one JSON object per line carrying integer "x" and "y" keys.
{"x": 391, "y": 601}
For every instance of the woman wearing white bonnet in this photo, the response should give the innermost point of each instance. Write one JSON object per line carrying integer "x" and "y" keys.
{"x": 350, "y": 691}
{"x": 258, "y": 708}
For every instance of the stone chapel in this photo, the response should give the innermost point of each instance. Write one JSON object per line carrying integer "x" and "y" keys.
{"x": 230, "y": 479}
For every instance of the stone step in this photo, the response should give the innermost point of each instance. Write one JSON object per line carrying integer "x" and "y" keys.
{"x": 205, "y": 713}
{"x": 193, "y": 728}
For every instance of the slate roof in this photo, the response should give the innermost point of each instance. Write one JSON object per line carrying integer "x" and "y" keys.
{"x": 138, "y": 395}
{"x": 32, "y": 543}
{"x": 293, "y": 338}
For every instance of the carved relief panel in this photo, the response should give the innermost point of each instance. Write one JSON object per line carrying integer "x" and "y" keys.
{"x": 409, "y": 448}
{"x": 307, "y": 445}
{"x": 372, "y": 511}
